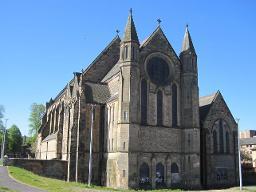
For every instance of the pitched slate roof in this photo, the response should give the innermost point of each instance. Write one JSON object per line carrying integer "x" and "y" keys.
{"x": 104, "y": 62}
{"x": 50, "y": 137}
{"x": 207, "y": 100}
{"x": 96, "y": 93}
{"x": 112, "y": 72}
{"x": 205, "y": 103}
{"x": 248, "y": 141}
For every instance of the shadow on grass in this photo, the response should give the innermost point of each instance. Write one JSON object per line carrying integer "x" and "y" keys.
{"x": 5, "y": 189}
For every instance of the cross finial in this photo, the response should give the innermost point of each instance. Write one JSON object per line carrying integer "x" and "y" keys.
{"x": 159, "y": 21}
{"x": 117, "y": 32}
{"x": 130, "y": 11}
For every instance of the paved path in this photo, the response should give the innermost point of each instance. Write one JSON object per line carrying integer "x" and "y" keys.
{"x": 7, "y": 181}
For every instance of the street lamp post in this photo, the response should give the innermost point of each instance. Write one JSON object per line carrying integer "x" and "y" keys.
{"x": 239, "y": 156}
{"x": 91, "y": 143}
{"x": 3, "y": 143}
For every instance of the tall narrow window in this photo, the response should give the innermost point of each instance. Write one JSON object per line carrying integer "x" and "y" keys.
{"x": 112, "y": 144}
{"x": 227, "y": 143}
{"x": 133, "y": 53}
{"x": 113, "y": 114}
{"x": 159, "y": 175}
{"x": 174, "y": 106}
{"x": 215, "y": 146}
{"x": 126, "y": 51}
{"x": 144, "y": 172}
{"x": 159, "y": 107}
{"x": 123, "y": 53}
{"x": 143, "y": 100}
{"x": 109, "y": 120}
{"x": 174, "y": 168}
{"x": 221, "y": 136}
{"x": 123, "y": 145}
{"x": 189, "y": 162}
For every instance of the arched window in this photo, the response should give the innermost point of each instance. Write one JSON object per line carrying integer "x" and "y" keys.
{"x": 159, "y": 107}
{"x": 174, "y": 168}
{"x": 227, "y": 143}
{"x": 221, "y": 136}
{"x": 143, "y": 102}
{"x": 159, "y": 173}
{"x": 144, "y": 171}
{"x": 215, "y": 145}
{"x": 174, "y": 106}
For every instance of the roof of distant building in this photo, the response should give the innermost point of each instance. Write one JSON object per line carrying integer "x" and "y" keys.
{"x": 248, "y": 141}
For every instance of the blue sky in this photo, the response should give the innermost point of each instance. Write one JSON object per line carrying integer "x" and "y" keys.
{"x": 43, "y": 42}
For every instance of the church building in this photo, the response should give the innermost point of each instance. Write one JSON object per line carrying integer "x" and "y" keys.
{"x": 140, "y": 101}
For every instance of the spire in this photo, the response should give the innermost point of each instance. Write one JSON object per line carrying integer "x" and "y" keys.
{"x": 187, "y": 42}
{"x": 130, "y": 30}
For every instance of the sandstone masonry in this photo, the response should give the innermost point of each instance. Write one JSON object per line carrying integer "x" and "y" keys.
{"x": 150, "y": 128}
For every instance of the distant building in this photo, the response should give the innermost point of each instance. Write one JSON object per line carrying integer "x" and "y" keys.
{"x": 151, "y": 129}
{"x": 247, "y": 134}
{"x": 248, "y": 146}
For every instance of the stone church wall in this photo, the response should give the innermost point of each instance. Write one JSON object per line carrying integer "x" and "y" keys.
{"x": 222, "y": 168}
{"x": 48, "y": 168}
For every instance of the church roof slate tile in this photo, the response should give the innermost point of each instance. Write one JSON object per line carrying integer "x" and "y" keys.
{"x": 112, "y": 72}
{"x": 205, "y": 103}
{"x": 248, "y": 141}
{"x": 96, "y": 93}
{"x": 104, "y": 62}
{"x": 50, "y": 137}
{"x": 207, "y": 100}
{"x": 97, "y": 70}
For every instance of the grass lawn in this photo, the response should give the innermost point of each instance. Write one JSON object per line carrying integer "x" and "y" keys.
{"x": 49, "y": 184}
{"x": 54, "y": 185}
{"x": 5, "y": 189}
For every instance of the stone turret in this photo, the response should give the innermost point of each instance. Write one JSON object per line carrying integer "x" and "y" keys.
{"x": 190, "y": 112}
{"x": 189, "y": 86}
{"x": 128, "y": 102}
{"x": 129, "y": 50}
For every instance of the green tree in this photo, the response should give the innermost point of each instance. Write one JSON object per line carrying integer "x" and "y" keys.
{"x": 14, "y": 139}
{"x": 36, "y": 115}
{"x": 245, "y": 156}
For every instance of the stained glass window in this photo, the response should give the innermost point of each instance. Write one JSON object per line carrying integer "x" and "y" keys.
{"x": 143, "y": 100}
{"x": 158, "y": 70}
{"x": 159, "y": 107}
{"x": 174, "y": 105}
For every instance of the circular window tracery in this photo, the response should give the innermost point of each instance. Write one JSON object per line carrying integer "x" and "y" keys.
{"x": 158, "y": 70}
